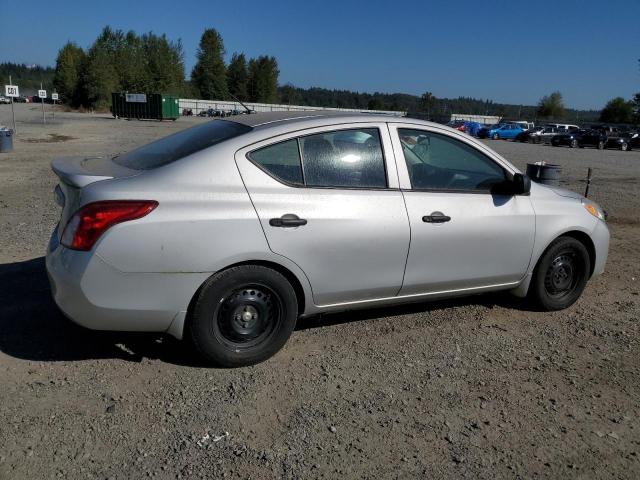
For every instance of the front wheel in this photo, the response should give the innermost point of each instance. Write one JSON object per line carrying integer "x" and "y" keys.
{"x": 495, "y": 136}
{"x": 242, "y": 316}
{"x": 574, "y": 143}
{"x": 623, "y": 146}
{"x": 600, "y": 145}
{"x": 560, "y": 275}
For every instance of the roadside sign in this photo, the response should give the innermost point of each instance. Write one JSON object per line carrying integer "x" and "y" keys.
{"x": 54, "y": 96}
{"x": 42, "y": 93}
{"x": 11, "y": 91}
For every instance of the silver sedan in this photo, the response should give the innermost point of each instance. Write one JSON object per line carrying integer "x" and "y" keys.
{"x": 229, "y": 232}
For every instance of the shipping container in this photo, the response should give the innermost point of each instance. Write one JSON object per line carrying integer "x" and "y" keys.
{"x": 152, "y": 106}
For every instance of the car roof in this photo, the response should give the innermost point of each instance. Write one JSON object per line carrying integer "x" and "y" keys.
{"x": 267, "y": 119}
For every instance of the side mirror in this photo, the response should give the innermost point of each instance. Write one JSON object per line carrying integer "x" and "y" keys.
{"x": 521, "y": 184}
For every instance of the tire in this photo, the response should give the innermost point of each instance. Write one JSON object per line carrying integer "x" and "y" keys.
{"x": 242, "y": 316}
{"x": 495, "y": 136}
{"x": 624, "y": 146}
{"x": 600, "y": 145}
{"x": 574, "y": 143}
{"x": 560, "y": 275}
{"x": 531, "y": 140}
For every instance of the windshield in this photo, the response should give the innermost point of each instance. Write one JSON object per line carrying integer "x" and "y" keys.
{"x": 181, "y": 144}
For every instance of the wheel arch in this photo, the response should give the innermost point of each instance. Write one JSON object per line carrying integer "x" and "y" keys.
{"x": 586, "y": 240}
{"x": 523, "y": 288}
{"x": 284, "y": 271}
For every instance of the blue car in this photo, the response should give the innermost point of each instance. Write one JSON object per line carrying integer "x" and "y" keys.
{"x": 501, "y": 131}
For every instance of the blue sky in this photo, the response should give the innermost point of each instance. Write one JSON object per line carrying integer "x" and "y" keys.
{"x": 507, "y": 51}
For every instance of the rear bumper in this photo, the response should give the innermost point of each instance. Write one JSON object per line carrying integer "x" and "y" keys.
{"x": 97, "y": 296}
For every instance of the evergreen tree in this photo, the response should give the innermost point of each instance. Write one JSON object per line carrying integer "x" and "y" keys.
{"x": 237, "y": 76}
{"x": 131, "y": 63}
{"x": 100, "y": 76}
{"x": 263, "y": 79}
{"x": 209, "y": 73}
{"x": 164, "y": 64}
{"x": 289, "y": 94}
{"x": 68, "y": 72}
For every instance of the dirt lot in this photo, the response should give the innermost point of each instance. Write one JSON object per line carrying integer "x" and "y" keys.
{"x": 475, "y": 388}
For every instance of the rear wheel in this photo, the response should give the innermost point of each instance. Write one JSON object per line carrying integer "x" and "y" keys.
{"x": 560, "y": 275}
{"x": 574, "y": 143}
{"x": 600, "y": 145}
{"x": 495, "y": 136}
{"x": 242, "y": 316}
{"x": 623, "y": 146}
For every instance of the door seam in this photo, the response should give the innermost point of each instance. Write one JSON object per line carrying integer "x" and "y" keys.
{"x": 406, "y": 211}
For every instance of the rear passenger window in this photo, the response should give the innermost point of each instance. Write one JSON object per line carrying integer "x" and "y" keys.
{"x": 344, "y": 158}
{"x": 281, "y": 161}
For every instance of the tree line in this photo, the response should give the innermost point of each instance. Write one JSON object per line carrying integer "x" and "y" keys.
{"x": 253, "y": 80}
{"x": 120, "y": 61}
{"x": 28, "y": 77}
{"x": 125, "y": 61}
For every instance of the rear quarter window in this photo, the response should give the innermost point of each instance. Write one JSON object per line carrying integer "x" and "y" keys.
{"x": 181, "y": 144}
{"x": 281, "y": 161}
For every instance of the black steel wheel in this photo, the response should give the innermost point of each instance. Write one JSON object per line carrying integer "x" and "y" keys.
{"x": 247, "y": 316}
{"x": 242, "y": 315}
{"x": 560, "y": 275}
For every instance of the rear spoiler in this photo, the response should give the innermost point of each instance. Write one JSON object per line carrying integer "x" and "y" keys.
{"x": 81, "y": 171}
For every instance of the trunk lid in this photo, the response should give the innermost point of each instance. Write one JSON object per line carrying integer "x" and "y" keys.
{"x": 75, "y": 173}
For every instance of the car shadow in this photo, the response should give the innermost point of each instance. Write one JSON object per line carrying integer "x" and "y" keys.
{"x": 33, "y": 328}
{"x": 489, "y": 300}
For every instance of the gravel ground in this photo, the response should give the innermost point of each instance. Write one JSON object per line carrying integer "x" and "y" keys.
{"x": 473, "y": 388}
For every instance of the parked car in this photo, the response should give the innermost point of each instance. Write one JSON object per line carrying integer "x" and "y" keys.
{"x": 531, "y": 136}
{"x": 472, "y": 128}
{"x": 524, "y": 124}
{"x": 620, "y": 142}
{"x": 215, "y": 235}
{"x": 634, "y": 140}
{"x": 580, "y": 138}
{"x": 21, "y": 99}
{"x": 616, "y": 138}
{"x": 501, "y": 131}
{"x": 4, "y": 99}
{"x": 563, "y": 127}
{"x": 457, "y": 124}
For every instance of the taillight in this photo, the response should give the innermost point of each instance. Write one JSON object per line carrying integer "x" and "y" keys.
{"x": 92, "y": 220}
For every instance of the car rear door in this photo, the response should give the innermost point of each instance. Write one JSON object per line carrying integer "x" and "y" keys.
{"x": 462, "y": 235}
{"x": 328, "y": 199}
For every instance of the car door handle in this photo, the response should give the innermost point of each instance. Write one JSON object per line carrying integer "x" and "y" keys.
{"x": 287, "y": 220}
{"x": 436, "y": 217}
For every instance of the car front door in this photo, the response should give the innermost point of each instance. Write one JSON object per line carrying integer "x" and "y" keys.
{"x": 329, "y": 200}
{"x": 463, "y": 236}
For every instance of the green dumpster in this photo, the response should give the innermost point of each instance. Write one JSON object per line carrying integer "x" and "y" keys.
{"x": 152, "y": 106}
